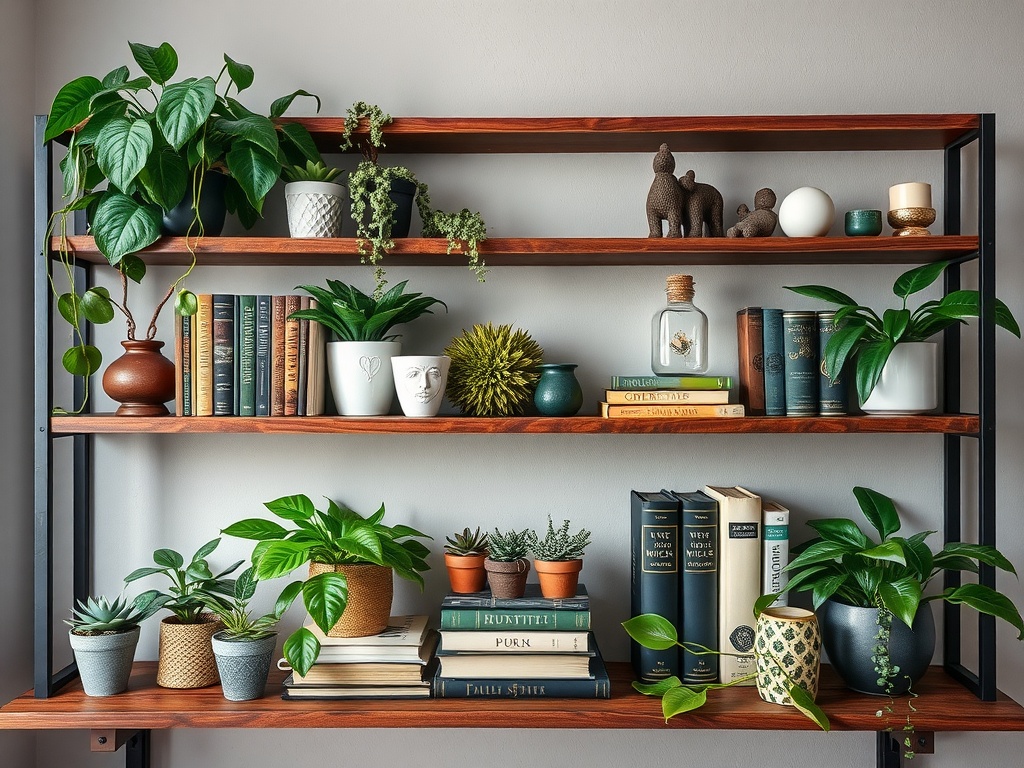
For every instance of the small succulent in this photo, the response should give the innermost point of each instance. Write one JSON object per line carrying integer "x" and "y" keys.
{"x": 97, "y": 615}
{"x": 309, "y": 172}
{"x": 466, "y": 543}
{"x": 493, "y": 370}
{"x": 558, "y": 545}
{"x": 509, "y": 546}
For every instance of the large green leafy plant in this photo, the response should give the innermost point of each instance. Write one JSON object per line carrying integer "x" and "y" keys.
{"x": 337, "y": 536}
{"x": 868, "y": 339}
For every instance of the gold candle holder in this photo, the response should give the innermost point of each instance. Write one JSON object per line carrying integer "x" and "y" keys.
{"x": 912, "y": 222}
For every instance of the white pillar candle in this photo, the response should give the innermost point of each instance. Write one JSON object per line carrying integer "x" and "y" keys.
{"x": 913, "y": 194}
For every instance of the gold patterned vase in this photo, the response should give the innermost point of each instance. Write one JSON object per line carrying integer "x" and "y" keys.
{"x": 788, "y": 645}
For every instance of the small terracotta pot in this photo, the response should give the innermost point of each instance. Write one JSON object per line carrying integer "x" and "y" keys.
{"x": 507, "y": 578}
{"x": 558, "y": 578}
{"x": 466, "y": 572}
{"x": 141, "y": 379}
{"x": 370, "y": 590}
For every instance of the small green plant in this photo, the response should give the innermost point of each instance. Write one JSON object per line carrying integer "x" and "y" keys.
{"x": 311, "y": 171}
{"x": 354, "y": 316}
{"x": 193, "y": 586}
{"x": 466, "y": 543}
{"x": 559, "y": 545}
{"x": 508, "y": 546}
{"x": 493, "y": 370}
{"x": 234, "y": 613}
{"x": 98, "y": 616}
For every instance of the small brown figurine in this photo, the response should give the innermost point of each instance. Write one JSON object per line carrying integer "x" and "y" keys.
{"x": 702, "y": 204}
{"x": 760, "y": 222}
{"x": 665, "y": 200}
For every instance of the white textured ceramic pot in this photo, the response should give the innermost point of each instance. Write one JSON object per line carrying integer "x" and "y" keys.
{"x": 314, "y": 208}
{"x": 362, "y": 380}
{"x": 909, "y": 382}
{"x": 420, "y": 381}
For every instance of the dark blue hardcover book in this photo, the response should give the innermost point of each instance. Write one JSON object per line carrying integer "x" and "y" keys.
{"x": 263, "y": 351}
{"x": 654, "y": 576}
{"x": 236, "y": 406}
{"x": 774, "y": 364}
{"x": 223, "y": 354}
{"x": 833, "y": 397}
{"x": 532, "y": 598}
{"x": 800, "y": 345}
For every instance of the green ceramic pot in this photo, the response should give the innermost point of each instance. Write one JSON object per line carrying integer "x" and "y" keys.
{"x": 558, "y": 392}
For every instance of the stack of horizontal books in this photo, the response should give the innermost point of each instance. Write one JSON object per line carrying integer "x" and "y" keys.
{"x": 394, "y": 664}
{"x": 526, "y": 647}
{"x": 653, "y": 397}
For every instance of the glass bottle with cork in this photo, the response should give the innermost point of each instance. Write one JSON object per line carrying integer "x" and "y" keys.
{"x": 679, "y": 332}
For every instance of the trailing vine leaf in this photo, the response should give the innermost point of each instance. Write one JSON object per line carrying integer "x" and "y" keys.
{"x": 676, "y": 701}
{"x": 301, "y": 650}
{"x": 159, "y": 63}
{"x": 123, "y": 225}
{"x": 802, "y": 701}
{"x": 83, "y": 360}
{"x": 71, "y": 106}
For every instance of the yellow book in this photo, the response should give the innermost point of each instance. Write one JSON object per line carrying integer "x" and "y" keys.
{"x": 203, "y": 370}
{"x": 666, "y": 396}
{"x": 668, "y": 411}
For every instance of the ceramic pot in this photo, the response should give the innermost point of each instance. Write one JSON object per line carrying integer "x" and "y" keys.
{"x": 849, "y": 635}
{"x": 558, "y": 392}
{"x": 788, "y": 644}
{"x": 141, "y": 379}
{"x": 362, "y": 379}
{"x": 212, "y": 209}
{"x": 186, "y": 653}
{"x": 420, "y": 381}
{"x": 507, "y": 578}
{"x": 243, "y": 664}
{"x": 909, "y": 382}
{"x": 863, "y": 222}
{"x": 105, "y": 661}
{"x": 466, "y": 572}
{"x": 370, "y": 591}
{"x": 558, "y": 578}
{"x": 807, "y": 212}
{"x": 314, "y": 208}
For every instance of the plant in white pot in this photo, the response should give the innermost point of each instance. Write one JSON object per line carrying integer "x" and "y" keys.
{"x": 314, "y": 199}
{"x": 894, "y": 364}
{"x": 359, "y": 359}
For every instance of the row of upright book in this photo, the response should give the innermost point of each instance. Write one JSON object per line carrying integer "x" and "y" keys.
{"x": 659, "y": 397}
{"x": 701, "y": 559}
{"x": 243, "y": 355}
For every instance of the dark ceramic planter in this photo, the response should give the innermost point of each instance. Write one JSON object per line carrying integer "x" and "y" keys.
{"x": 558, "y": 392}
{"x": 848, "y": 634}
{"x": 141, "y": 379}
{"x": 402, "y": 194}
{"x": 507, "y": 578}
{"x": 212, "y": 209}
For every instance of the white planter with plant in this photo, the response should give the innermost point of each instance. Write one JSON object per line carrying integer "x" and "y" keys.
{"x": 314, "y": 200}
{"x": 909, "y": 382}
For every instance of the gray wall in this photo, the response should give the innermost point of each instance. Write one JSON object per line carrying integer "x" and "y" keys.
{"x": 564, "y": 58}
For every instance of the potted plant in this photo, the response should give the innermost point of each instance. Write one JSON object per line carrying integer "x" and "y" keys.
{"x": 894, "y": 364}
{"x": 558, "y": 558}
{"x": 351, "y": 564}
{"x": 867, "y": 593}
{"x": 359, "y": 360}
{"x": 245, "y": 647}
{"x": 104, "y": 636}
{"x": 493, "y": 370}
{"x": 464, "y": 557}
{"x": 315, "y": 201}
{"x": 506, "y": 563}
{"x": 186, "y": 655}
{"x": 160, "y": 163}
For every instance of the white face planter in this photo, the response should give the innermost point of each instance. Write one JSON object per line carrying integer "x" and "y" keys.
{"x": 420, "y": 381}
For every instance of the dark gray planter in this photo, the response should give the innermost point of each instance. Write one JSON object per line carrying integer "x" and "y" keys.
{"x": 848, "y": 634}
{"x": 212, "y": 209}
{"x": 243, "y": 665}
{"x": 105, "y": 661}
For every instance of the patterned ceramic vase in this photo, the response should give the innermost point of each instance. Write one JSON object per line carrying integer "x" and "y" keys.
{"x": 788, "y": 644}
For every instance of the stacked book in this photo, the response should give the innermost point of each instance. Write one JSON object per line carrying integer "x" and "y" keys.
{"x": 639, "y": 397}
{"x": 527, "y": 647}
{"x": 394, "y": 664}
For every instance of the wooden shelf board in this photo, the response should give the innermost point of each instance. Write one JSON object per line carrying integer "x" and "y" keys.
{"x": 110, "y": 424}
{"x": 943, "y": 705}
{"x": 555, "y": 251}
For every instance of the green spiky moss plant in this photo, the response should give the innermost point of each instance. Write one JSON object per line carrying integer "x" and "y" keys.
{"x": 508, "y": 546}
{"x": 493, "y": 370}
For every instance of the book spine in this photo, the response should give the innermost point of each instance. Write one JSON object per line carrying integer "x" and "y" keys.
{"x": 316, "y": 353}
{"x": 515, "y": 641}
{"x": 179, "y": 404}
{"x": 775, "y": 553}
{"x": 277, "y": 355}
{"x": 247, "y": 356}
{"x": 303, "y": 359}
{"x": 669, "y": 411}
{"x": 833, "y": 398}
{"x": 475, "y": 619}
{"x": 204, "y": 356}
{"x": 291, "y": 357}
{"x": 263, "y": 355}
{"x": 654, "y": 565}
{"x": 237, "y": 341}
{"x": 223, "y": 354}
{"x": 699, "y": 586}
{"x": 485, "y": 600}
{"x": 527, "y": 688}
{"x": 750, "y": 348}
{"x": 666, "y": 396}
{"x": 800, "y": 346}
{"x": 671, "y": 382}
{"x": 774, "y": 364}
{"x": 187, "y": 359}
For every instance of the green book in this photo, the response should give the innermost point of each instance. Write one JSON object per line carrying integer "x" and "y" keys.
{"x": 497, "y": 618}
{"x": 671, "y": 382}
{"x": 247, "y": 356}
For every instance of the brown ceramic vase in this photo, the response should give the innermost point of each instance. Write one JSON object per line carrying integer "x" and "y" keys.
{"x": 466, "y": 572}
{"x": 558, "y": 578}
{"x": 141, "y": 379}
{"x": 507, "y": 577}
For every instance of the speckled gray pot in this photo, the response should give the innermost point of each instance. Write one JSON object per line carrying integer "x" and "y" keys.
{"x": 243, "y": 665}
{"x": 105, "y": 661}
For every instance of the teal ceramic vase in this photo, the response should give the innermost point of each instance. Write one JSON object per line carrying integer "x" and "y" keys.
{"x": 558, "y": 392}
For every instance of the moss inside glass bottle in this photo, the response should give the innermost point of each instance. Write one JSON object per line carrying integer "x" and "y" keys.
{"x": 679, "y": 332}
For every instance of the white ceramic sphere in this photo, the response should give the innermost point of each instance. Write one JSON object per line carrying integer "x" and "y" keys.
{"x": 807, "y": 212}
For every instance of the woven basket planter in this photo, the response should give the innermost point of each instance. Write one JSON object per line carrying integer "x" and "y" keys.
{"x": 370, "y": 589}
{"x": 186, "y": 653}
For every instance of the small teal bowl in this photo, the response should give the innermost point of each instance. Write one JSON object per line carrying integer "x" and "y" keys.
{"x": 863, "y": 223}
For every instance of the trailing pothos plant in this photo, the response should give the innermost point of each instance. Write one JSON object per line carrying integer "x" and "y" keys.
{"x": 153, "y": 141}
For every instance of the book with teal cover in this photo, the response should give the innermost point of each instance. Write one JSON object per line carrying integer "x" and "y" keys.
{"x": 774, "y": 364}
{"x": 800, "y": 344}
{"x": 833, "y": 394}
{"x": 654, "y": 576}
{"x": 473, "y": 619}
{"x": 671, "y": 382}
{"x": 247, "y": 355}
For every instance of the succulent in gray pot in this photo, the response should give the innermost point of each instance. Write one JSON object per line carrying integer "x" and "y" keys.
{"x": 506, "y": 563}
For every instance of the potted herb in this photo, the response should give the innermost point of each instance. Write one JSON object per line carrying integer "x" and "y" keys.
{"x": 558, "y": 558}
{"x": 359, "y": 359}
{"x": 351, "y": 564}
{"x": 868, "y": 591}
{"x": 160, "y": 147}
{"x": 506, "y": 563}
{"x": 104, "y": 636}
{"x": 464, "y": 557}
{"x": 314, "y": 199}
{"x": 893, "y": 363}
{"x": 186, "y": 655}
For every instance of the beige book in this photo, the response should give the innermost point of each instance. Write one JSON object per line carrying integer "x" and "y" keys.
{"x": 666, "y": 396}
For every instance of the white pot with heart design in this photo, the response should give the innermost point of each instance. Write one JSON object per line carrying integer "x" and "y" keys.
{"x": 362, "y": 380}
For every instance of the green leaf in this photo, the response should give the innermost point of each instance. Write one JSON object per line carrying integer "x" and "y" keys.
{"x": 165, "y": 178}
{"x": 826, "y": 587}
{"x": 840, "y": 346}
{"x": 802, "y": 701}
{"x": 871, "y": 359}
{"x": 186, "y": 303}
{"x": 888, "y": 551}
{"x": 104, "y": 109}
{"x": 901, "y": 598}
{"x": 71, "y": 106}
{"x": 659, "y": 688}
{"x": 918, "y": 279}
{"x": 280, "y": 106}
{"x": 255, "y": 128}
{"x": 821, "y": 552}
{"x": 206, "y": 550}
{"x": 961, "y": 304}
{"x": 682, "y": 699}
{"x": 122, "y": 226}
{"x": 879, "y": 510}
{"x": 297, "y": 507}
{"x": 245, "y": 585}
{"x": 895, "y": 322}
{"x": 287, "y": 597}
{"x": 986, "y": 600}
{"x": 82, "y": 360}
{"x": 325, "y": 596}
{"x": 183, "y": 109}
{"x": 238, "y": 204}
{"x": 256, "y": 529}
{"x": 115, "y": 77}
{"x": 159, "y": 63}
{"x": 97, "y": 307}
{"x": 840, "y": 530}
{"x": 133, "y": 268}
{"x": 280, "y": 558}
{"x": 70, "y": 307}
{"x": 168, "y": 558}
{"x": 140, "y": 573}
{"x": 982, "y": 552}
{"x": 301, "y": 650}
{"x": 295, "y": 135}
{"x": 651, "y": 631}
{"x": 823, "y": 293}
{"x": 122, "y": 149}
{"x": 255, "y": 170}
{"x": 919, "y": 557}
{"x": 241, "y": 74}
